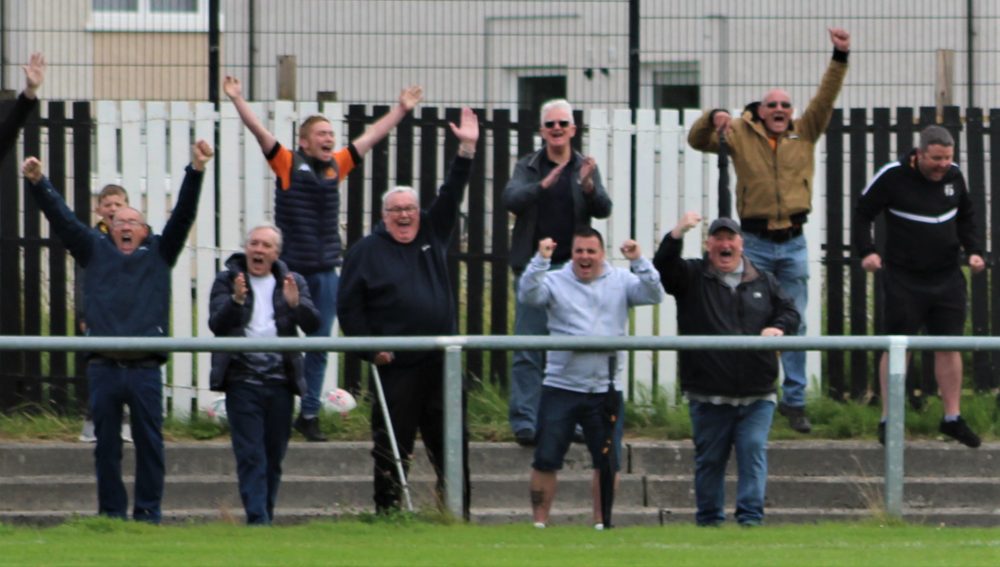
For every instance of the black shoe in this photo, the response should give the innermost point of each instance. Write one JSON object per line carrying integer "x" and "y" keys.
{"x": 960, "y": 430}
{"x": 881, "y": 433}
{"x": 525, "y": 437}
{"x": 796, "y": 418}
{"x": 578, "y": 435}
{"x": 309, "y": 428}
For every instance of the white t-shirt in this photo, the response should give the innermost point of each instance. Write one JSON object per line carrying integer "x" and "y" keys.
{"x": 262, "y": 320}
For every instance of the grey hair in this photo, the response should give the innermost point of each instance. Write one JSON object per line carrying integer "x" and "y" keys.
{"x": 935, "y": 136}
{"x": 396, "y": 190}
{"x": 268, "y": 225}
{"x": 556, "y": 103}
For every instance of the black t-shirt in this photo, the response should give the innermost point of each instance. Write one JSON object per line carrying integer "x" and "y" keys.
{"x": 555, "y": 211}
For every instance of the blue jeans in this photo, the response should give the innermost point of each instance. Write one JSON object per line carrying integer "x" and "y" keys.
{"x": 528, "y": 367}
{"x": 113, "y": 386}
{"x": 789, "y": 262}
{"x": 260, "y": 423}
{"x": 716, "y": 429}
{"x": 323, "y": 289}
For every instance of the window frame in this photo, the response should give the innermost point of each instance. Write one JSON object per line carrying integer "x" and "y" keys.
{"x": 144, "y": 19}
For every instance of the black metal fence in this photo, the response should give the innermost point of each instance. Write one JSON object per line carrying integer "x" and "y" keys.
{"x": 849, "y": 304}
{"x": 32, "y": 305}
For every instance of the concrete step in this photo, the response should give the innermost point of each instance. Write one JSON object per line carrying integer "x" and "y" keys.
{"x": 836, "y": 492}
{"x": 54, "y": 492}
{"x": 946, "y": 483}
{"x": 805, "y": 458}
{"x": 829, "y": 458}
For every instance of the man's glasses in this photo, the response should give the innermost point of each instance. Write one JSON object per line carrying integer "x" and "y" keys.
{"x": 400, "y": 210}
{"x": 126, "y": 222}
{"x": 552, "y": 123}
{"x": 774, "y": 104}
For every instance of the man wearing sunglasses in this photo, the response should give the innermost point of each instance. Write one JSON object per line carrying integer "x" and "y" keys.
{"x": 773, "y": 158}
{"x": 553, "y": 192}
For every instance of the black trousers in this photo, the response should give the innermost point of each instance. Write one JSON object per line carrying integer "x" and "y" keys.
{"x": 415, "y": 396}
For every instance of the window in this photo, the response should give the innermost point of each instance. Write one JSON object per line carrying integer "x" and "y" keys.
{"x": 676, "y": 85}
{"x": 533, "y": 92}
{"x": 153, "y": 6}
{"x": 149, "y": 15}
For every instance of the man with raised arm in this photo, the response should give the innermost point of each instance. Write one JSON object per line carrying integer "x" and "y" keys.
{"x": 396, "y": 283}
{"x": 586, "y": 297}
{"x": 307, "y": 210}
{"x": 773, "y": 158}
{"x": 127, "y": 284}
{"x": 731, "y": 393}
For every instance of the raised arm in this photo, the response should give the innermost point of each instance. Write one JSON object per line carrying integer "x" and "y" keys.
{"x": 186, "y": 208}
{"x": 815, "y": 118}
{"x": 234, "y": 90}
{"x": 408, "y": 100}
{"x": 443, "y": 211}
{"x": 532, "y": 289}
{"x": 34, "y": 74}
{"x": 674, "y": 271}
{"x": 73, "y": 233}
{"x": 645, "y": 288}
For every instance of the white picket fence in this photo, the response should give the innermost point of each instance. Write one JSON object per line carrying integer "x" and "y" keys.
{"x": 145, "y": 147}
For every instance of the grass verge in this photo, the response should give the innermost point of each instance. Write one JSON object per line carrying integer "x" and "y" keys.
{"x": 99, "y": 541}
{"x": 488, "y": 420}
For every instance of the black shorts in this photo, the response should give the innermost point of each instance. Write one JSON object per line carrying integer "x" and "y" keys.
{"x": 934, "y": 302}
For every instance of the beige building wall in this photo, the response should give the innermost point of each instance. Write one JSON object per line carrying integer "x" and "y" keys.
{"x": 150, "y": 66}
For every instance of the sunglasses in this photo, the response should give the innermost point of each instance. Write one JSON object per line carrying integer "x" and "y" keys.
{"x": 774, "y": 104}
{"x": 552, "y": 123}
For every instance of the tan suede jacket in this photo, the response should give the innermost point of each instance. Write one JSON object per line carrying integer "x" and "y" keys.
{"x": 775, "y": 185}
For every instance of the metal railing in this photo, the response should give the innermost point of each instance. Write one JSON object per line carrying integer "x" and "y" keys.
{"x": 452, "y": 346}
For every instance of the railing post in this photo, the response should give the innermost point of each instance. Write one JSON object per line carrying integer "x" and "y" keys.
{"x": 454, "y": 483}
{"x": 894, "y": 427}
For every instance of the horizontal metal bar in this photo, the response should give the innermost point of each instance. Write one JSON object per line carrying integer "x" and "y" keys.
{"x": 486, "y": 342}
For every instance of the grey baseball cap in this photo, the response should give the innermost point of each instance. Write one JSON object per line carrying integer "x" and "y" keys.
{"x": 724, "y": 223}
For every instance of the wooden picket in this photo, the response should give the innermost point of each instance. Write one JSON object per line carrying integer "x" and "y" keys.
{"x": 146, "y": 146}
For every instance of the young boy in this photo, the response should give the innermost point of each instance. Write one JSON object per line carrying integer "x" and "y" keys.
{"x": 110, "y": 200}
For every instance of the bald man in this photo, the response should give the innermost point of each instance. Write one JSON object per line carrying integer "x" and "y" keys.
{"x": 773, "y": 157}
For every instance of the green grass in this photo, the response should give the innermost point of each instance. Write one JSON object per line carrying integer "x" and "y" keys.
{"x": 97, "y": 541}
{"x": 488, "y": 420}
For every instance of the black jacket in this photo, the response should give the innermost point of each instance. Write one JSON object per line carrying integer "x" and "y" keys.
{"x": 927, "y": 222}
{"x": 14, "y": 121}
{"x": 227, "y": 318}
{"x": 521, "y": 198}
{"x": 392, "y": 289}
{"x": 707, "y": 306}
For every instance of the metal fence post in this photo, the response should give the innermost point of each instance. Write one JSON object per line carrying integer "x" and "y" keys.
{"x": 894, "y": 427}
{"x": 453, "y": 458}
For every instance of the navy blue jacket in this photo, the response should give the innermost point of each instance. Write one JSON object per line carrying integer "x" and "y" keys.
{"x": 128, "y": 295}
{"x": 308, "y": 213}
{"x": 707, "y": 306}
{"x": 392, "y": 289}
{"x": 227, "y": 318}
